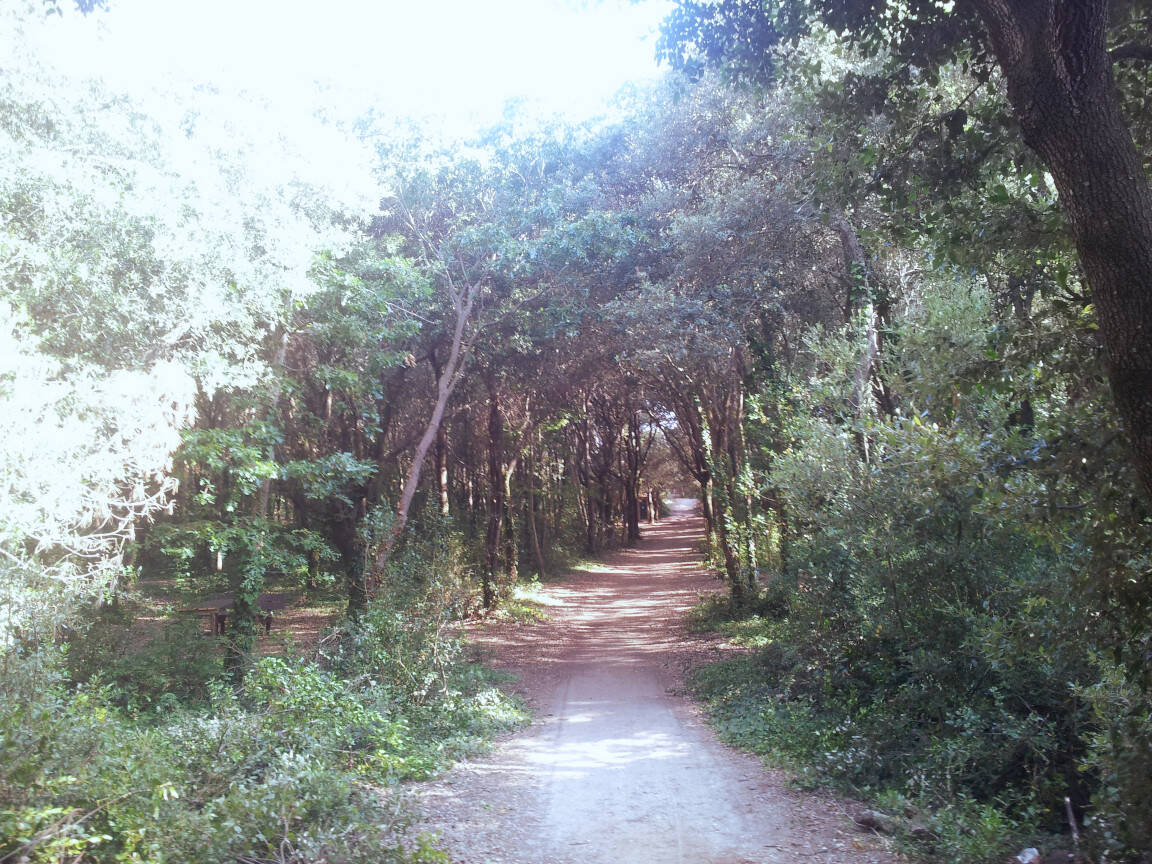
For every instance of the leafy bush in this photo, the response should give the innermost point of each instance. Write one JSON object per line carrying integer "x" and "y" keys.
{"x": 1119, "y": 754}
{"x": 957, "y": 625}
{"x": 270, "y": 775}
{"x": 176, "y": 664}
{"x": 298, "y": 765}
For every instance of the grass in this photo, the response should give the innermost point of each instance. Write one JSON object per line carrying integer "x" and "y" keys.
{"x": 713, "y": 613}
{"x": 527, "y": 603}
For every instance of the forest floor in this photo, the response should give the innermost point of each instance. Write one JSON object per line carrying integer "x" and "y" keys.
{"x": 619, "y": 766}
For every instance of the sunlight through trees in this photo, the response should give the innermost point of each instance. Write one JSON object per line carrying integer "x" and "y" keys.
{"x": 840, "y": 276}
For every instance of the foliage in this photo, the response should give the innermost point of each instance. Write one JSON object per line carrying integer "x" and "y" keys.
{"x": 927, "y": 637}
{"x": 957, "y": 587}
{"x": 84, "y": 457}
{"x": 176, "y": 665}
{"x": 147, "y": 253}
{"x": 827, "y": 285}
{"x": 296, "y": 766}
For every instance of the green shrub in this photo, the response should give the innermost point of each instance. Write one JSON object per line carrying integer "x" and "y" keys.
{"x": 82, "y": 781}
{"x": 961, "y": 619}
{"x": 297, "y": 766}
{"x": 175, "y": 664}
{"x": 1119, "y": 755}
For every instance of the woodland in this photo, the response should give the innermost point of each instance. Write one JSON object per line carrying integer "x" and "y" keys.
{"x": 868, "y": 279}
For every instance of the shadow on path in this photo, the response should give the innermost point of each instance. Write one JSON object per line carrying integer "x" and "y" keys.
{"x": 616, "y": 769}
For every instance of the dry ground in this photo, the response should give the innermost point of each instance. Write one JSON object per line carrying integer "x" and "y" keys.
{"x": 619, "y": 766}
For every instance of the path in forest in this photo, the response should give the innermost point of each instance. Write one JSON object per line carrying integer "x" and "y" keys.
{"x": 618, "y": 768}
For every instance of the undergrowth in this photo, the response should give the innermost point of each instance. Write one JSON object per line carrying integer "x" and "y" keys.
{"x": 968, "y": 776}
{"x": 826, "y": 743}
{"x": 123, "y": 763}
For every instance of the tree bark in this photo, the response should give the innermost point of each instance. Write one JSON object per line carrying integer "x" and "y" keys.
{"x": 350, "y": 545}
{"x": 442, "y": 469}
{"x": 706, "y": 508}
{"x": 530, "y": 506}
{"x": 631, "y": 515}
{"x": 511, "y": 555}
{"x": 1054, "y": 57}
{"x": 635, "y": 454}
{"x": 736, "y": 584}
{"x": 495, "y": 497}
{"x": 463, "y": 302}
{"x": 584, "y": 478}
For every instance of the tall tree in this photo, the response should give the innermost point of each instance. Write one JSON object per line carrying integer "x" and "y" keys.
{"x": 1054, "y": 58}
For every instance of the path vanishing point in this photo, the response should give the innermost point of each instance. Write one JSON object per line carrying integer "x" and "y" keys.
{"x": 619, "y": 766}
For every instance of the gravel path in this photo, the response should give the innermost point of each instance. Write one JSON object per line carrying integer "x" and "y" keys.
{"x": 619, "y": 767}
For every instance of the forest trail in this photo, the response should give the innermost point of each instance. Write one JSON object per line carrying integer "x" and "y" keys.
{"x": 618, "y": 768}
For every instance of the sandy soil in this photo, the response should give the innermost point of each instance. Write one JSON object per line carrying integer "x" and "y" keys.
{"x": 619, "y": 766}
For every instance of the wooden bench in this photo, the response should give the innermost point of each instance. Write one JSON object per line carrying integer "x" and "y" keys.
{"x": 218, "y": 607}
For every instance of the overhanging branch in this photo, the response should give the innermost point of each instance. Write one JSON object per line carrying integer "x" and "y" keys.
{"x": 1131, "y": 51}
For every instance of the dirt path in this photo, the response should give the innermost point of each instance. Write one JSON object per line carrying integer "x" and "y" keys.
{"x": 617, "y": 768}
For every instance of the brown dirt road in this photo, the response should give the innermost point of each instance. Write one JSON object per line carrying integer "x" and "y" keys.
{"x": 618, "y": 767}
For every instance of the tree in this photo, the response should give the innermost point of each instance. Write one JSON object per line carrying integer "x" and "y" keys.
{"x": 1054, "y": 58}
{"x": 144, "y": 260}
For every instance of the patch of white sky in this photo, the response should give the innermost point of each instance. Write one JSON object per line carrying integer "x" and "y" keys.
{"x": 455, "y": 62}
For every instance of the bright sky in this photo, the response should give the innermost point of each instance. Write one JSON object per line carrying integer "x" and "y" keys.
{"x": 458, "y": 58}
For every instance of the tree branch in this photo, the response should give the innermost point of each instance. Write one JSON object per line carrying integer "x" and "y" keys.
{"x": 1131, "y": 51}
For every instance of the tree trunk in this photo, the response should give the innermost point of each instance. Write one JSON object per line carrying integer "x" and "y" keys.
{"x": 511, "y": 554}
{"x": 530, "y": 506}
{"x": 631, "y": 514}
{"x": 495, "y": 497}
{"x": 471, "y": 491}
{"x": 584, "y": 475}
{"x": 707, "y": 509}
{"x": 736, "y": 584}
{"x": 1055, "y": 61}
{"x": 446, "y": 381}
{"x": 442, "y": 468}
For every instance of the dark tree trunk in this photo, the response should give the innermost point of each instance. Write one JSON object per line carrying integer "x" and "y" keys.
{"x": 467, "y": 489}
{"x": 635, "y": 455}
{"x": 495, "y": 497}
{"x": 304, "y": 519}
{"x": 346, "y": 538}
{"x": 631, "y": 514}
{"x": 533, "y": 528}
{"x": 1054, "y": 57}
{"x": 584, "y": 476}
{"x": 386, "y": 463}
{"x": 530, "y": 511}
{"x": 736, "y": 583}
{"x": 706, "y": 508}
